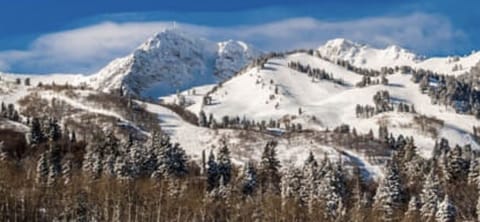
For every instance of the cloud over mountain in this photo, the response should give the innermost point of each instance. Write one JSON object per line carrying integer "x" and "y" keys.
{"x": 87, "y": 49}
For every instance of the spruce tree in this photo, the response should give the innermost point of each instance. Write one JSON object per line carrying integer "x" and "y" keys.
{"x": 389, "y": 197}
{"x": 224, "y": 163}
{"x": 446, "y": 211}
{"x": 332, "y": 190}
{"x": 310, "y": 179}
{"x": 270, "y": 177}
{"x": 456, "y": 166}
{"x": 54, "y": 130}
{"x": 54, "y": 159}
{"x": 172, "y": 159}
{"x": 430, "y": 197}
{"x": 36, "y": 133}
{"x": 291, "y": 186}
{"x": 249, "y": 179}
{"x": 202, "y": 119}
{"x": 212, "y": 172}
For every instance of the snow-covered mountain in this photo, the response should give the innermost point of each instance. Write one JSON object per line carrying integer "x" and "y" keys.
{"x": 173, "y": 60}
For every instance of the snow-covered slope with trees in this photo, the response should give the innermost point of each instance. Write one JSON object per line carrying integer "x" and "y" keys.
{"x": 272, "y": 89}
{"x": 278, "y": 92}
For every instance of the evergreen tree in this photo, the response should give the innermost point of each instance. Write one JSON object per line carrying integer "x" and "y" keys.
{"x": 172, "y": 159}
{"x": 54, "y": 158}
{"x": 389, "y": 196}
{"x": 310, "y": 179}
{"x": 202, "y": 119}
{"x": 212, "y": 172}
{"x": 429, "y": 197}
{"x": 383, "y": 133}
{"x": 456, "y": 166}
{"x": 291, "y": 186}
{"x": 249, "y": 179}
{"x": 36, "y": 133}
{"x": 270, "y": 169}
{"x": 224, "y": 163}
{"x": 54, "y": 131}
{"x": 332, "y": 191}
{"x": 446, "y": 211}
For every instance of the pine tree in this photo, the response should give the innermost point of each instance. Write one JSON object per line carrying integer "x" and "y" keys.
{"x": 383, "y": 133}
{"x": 389, "y": 196}
{"x": 456, "y": 167}
{"x": 221, "y": 193}
{"x": 135, "y": 160}
{"x": 332, "y": 191}
{"x": 212, "y": 172}
{"x": 54, "y": 131}
{"x": 172, "y": 159}
{"x": 202, "y": 119}
{"x": 224, "y": 163}
{"x": 291, "y": 186}
{"x": 270, "y": 169}
{"x": 36, "y": 133}
{"x": 310, "y": 179}
{"x": 429, "y": 197}
{"x": 54, "y": 158}
{"x": 446, "y": 211}
{"x": 178, "y": 161}
{"x": 249, "y": 179}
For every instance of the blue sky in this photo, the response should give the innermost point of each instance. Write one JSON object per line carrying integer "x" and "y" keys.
{"x": 44, "y": 36}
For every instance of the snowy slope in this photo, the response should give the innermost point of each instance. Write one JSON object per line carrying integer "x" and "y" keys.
{"x": 292, "y": 151}
{"x": 173, "y": 60}
{"x": 11, "y": 92}
{"x": 253, "y": 95}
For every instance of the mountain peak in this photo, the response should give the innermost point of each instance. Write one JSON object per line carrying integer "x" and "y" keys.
{"x": 167, "y": 36}
{"x": 341, "y": 43}
{"x": 172, "y": 60}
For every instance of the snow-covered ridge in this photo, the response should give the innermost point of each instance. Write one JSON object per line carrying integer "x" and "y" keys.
{"x": 173, "y": 60}
{"x": 365, "y": 56}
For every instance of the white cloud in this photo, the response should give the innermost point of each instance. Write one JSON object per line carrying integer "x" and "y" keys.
{"x": 88, "y": 48}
